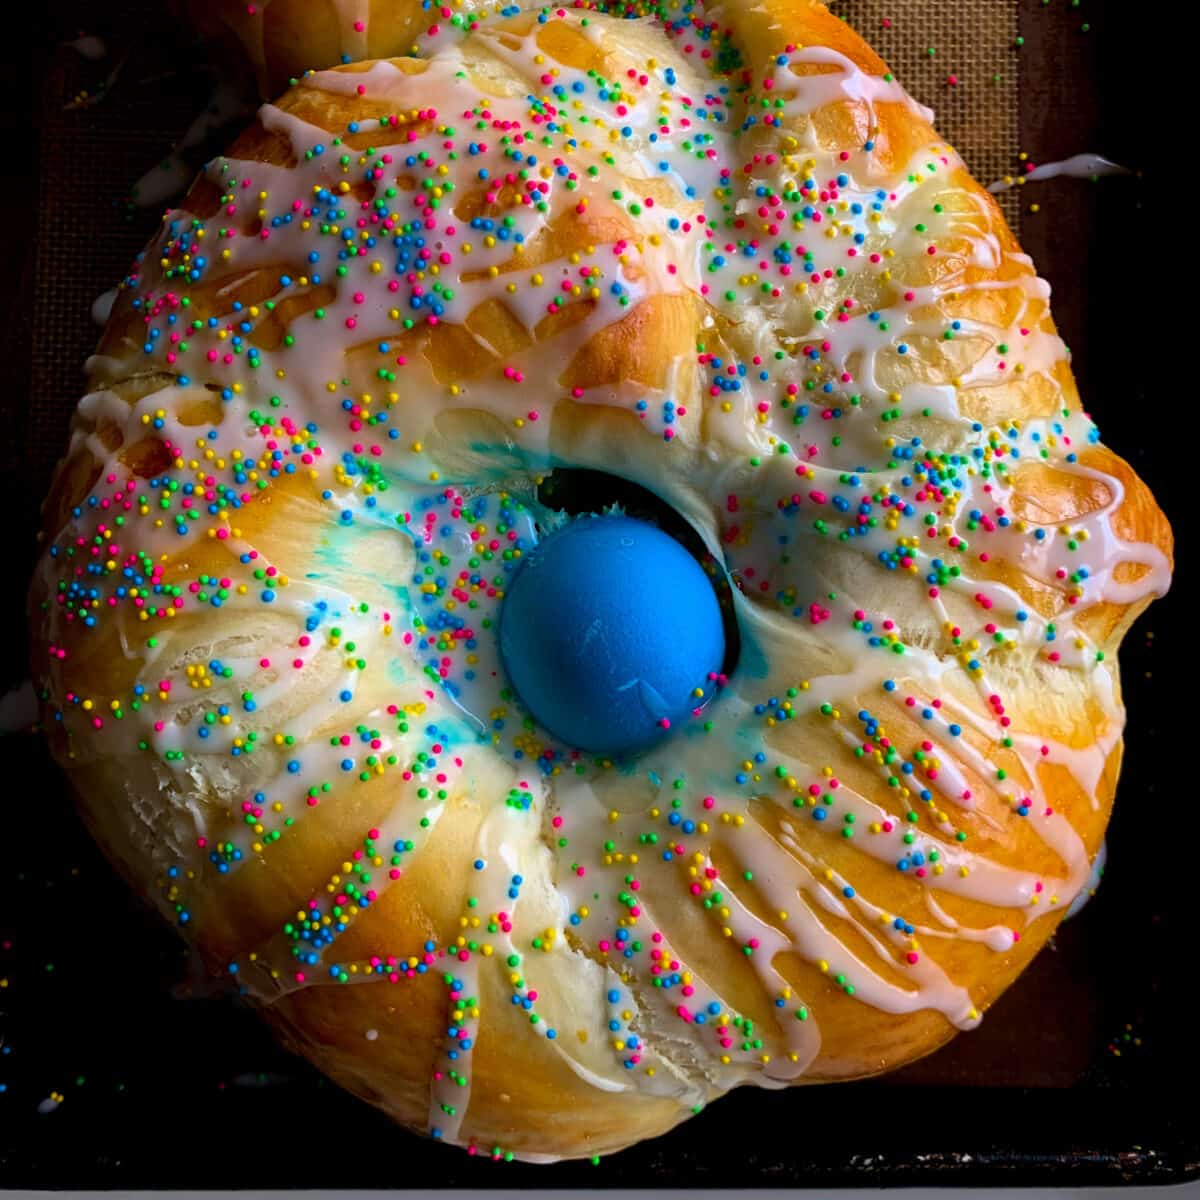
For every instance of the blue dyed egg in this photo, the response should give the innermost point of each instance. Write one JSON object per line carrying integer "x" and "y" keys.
{"x": 607, "y": 629}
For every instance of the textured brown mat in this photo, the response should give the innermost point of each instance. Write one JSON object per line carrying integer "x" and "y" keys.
{"x": 928, "y": 43}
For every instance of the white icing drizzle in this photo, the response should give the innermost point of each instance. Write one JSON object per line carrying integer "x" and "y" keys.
{"x": 451, "y": 1091}
{"x": 1078, "y": 166}
{"x": 102, "y": 306}
{"x": 89, "y": 46}
{"x": 810, "y": 92}
{"x": 229, "y": 102}
{"x": 1093, "y": 884}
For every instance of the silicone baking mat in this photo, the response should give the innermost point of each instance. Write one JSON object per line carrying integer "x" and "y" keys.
{"x": 116, "y": 1071}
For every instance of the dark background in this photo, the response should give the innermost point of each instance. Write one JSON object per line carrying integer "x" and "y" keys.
{"x": 1083, "y": 1073}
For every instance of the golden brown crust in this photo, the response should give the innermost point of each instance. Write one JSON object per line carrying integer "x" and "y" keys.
{"x": 282, "y": 39}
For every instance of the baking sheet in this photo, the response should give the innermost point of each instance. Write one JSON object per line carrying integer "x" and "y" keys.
{"x": 118, "y": 1067}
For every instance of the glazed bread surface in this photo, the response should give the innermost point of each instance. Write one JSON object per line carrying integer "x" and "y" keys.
{"x": 717, "y": 253}
{"x": 279, "y": 40}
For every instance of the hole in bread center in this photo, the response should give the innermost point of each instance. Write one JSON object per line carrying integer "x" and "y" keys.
{"x": 613, "y": 631}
